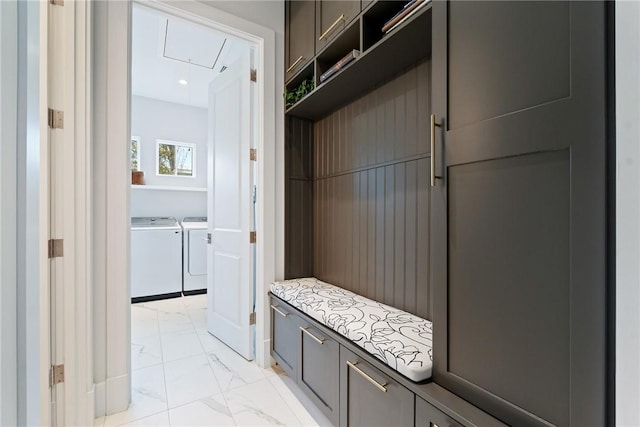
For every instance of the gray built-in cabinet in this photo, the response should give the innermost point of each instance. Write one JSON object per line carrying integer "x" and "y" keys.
{"x": 299, "y": 43}
{"x": 506, "y": 252}
{"x": 332, "y": 16}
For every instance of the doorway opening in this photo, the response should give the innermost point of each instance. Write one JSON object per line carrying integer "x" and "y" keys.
{"x": 193, "y": 198}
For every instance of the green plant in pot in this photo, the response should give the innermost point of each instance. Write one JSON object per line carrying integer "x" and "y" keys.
{"x": 293, "y": 96}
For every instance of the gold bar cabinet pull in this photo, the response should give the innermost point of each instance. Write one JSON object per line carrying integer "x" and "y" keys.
{"x": 381, "y": 387}
{"x": 332, "y": 27}
{"x": 295, "y": 63}
{"x": 433, "y": 150}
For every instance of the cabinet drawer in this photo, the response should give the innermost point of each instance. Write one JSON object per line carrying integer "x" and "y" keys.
{"x": 284, "y": 337}
{"x": 332, "y": 17}
{"x": 428, "y": 416}
{"x": 370, "y": 398}
{"x": 319, "y": 370}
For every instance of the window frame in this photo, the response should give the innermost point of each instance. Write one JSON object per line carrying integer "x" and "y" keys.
{"x": 191, "y": 145}
{"x": 139, "y": 156}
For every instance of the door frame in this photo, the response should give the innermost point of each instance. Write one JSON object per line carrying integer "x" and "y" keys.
{"x": 112, "y": 368}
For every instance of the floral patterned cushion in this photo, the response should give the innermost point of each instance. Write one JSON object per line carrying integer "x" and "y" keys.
{"x": 399, "y": 339}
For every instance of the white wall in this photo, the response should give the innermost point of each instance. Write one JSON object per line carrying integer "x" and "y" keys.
{"x": 8, "y": 161}
{"x": 152, "y": 119}
{"x": 111, "y": 186}
{"x": 31, "y": 215}
{"x": 178, "y": 204}
{"x": 628, "y": 213}
{"x": 268, "y": 13}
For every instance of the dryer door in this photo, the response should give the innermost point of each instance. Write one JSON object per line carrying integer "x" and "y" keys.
{"x": 197, "y": 259}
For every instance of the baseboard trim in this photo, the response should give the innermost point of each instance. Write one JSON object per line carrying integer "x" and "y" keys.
{"x": 117, "y": 394}
{"x": 100, "y": 399}
{"x": 90, "y": 413}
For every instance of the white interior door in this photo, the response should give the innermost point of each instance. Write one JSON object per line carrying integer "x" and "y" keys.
{"x": 229, "y": 286}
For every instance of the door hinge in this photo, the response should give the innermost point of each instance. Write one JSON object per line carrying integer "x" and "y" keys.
{"x": 252, "y": 318}
{"x": 56, "y": 119}
{"x": 252, "y": 237}
{"x": 57, "y": 2}
{"x": 56, "y": 248}
{"x": 253, "y": 154}
{"x": 56, "y": 375}
{"x": 254, "y": 75}
{"x": 209, "y": 238}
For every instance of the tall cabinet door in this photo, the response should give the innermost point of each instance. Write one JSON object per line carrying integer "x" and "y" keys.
{"x": 300, "y": 15}
{"x": 518, "y": 224}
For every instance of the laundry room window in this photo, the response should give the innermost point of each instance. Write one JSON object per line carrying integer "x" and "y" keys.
{"x": 175, "y": 158}
{"x": 135, "y": 153}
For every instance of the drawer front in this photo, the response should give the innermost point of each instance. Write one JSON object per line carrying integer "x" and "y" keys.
{"x": 332, "y": 17}
{"x": 370, "y": 398}
{"x": 284, "y": 337}
{"x": 319, "y": 370}
{"x": 428, "y": 416}
{"x": 300, "y": 35}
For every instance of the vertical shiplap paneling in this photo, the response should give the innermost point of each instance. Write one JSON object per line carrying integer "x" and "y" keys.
{"x": 399, "y": 251}
{"x": 411, "y": 232}
{"x": 364, "y": 235}
{"x": 371, "y": 194}
{"x": 389, "y": 231}
{"x": 380, "y": 126}
{"x": 400, "y": 128}
{"x": 299, "y": 230}
{"x": 355, "y": 233}
{"x": 380, "y": 234}
{"x": 411, "y": 111}
{"x": 423, "y": 308}
{"x": 372, "y": 237}
{"x": 424, "y": 106}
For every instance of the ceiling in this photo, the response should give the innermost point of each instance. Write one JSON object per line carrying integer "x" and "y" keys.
{"x": 166, "y": 50}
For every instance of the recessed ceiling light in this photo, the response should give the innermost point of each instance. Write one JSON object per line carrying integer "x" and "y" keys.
{"x": 183, "y": 82}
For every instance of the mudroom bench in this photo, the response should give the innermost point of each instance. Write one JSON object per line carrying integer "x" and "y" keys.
{"x": 361, "y": 362}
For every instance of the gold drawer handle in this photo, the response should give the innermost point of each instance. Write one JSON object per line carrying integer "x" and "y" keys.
{"x": 295, "y": 63}
{"x": 282, "y": 313}
{"x": 381, "y": 387}
{"x": 332, "y": 27}
{"x": 315, "y": 338}
{"x": 433, "y": 150}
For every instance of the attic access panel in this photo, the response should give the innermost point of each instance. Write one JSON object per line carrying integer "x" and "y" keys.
{"x": 191, "y": 43}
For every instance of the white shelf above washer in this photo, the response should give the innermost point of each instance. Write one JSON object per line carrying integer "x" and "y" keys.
{"x": 168, "y": 188}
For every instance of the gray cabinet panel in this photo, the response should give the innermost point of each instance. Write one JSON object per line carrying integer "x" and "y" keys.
{"x": 284, "y": 337}
{"x": 502, "y": 51}
{"x": 522, "y": 278}
{"x": 366, "y": 404}
{"x": 518, "y": 222}
{"x": 428, "y": 416}
{"x": 319, "y": 371}
{"x": 329, "y": 21}
{"x": 299, "y": 35}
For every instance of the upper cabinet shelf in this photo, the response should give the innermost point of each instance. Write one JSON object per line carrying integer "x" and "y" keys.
{"x": 382, "y": 56}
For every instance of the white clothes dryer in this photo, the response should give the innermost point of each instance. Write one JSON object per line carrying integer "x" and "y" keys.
{"x": 194, "y": 255}
{"x": 156, "y": 258}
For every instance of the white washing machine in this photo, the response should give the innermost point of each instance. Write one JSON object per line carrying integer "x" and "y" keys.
{"x": 194, "y": 255}
{"x": 156, "y": 258}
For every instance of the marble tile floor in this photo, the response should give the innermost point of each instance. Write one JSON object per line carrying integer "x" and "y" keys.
{"x": 183, "y": 376}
